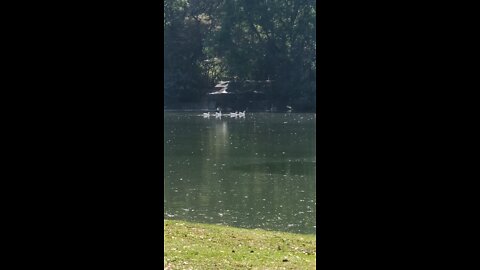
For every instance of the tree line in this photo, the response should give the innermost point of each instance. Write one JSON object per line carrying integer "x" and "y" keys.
{"x": 206, "y": 41}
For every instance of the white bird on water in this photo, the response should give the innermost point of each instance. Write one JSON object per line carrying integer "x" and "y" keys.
{"x": 206, "y": 115}
{"x": 218, "y": 114}
{"x": 235, "y": 114}
{"x": 241, "y": 114}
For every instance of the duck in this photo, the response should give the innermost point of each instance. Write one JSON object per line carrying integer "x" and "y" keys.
{"x": 207, "y": 114}
{"x": 241, "y": 114}
{"x": 218, "y": 114}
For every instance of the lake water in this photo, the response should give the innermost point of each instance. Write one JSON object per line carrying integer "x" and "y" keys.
{"x": 252, "y": 172}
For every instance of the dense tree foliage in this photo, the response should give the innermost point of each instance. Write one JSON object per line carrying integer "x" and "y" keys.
{"x": 210, "y": 40}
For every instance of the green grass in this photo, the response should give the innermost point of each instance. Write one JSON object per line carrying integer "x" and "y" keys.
{"x": 204, "y": 246}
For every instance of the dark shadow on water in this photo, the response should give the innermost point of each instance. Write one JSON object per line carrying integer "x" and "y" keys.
{"x": 286, "y": 167}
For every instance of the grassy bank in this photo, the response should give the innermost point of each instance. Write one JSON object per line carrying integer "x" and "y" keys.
{"x": 202, "y": 246}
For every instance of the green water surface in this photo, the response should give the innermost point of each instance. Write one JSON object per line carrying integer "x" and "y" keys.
{"x": 252, "y": 172}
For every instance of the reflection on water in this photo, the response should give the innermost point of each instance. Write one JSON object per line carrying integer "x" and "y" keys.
{"x": 255, "y": 172}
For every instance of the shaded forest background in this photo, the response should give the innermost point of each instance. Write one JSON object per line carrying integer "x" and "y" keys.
{"x": 206, "y": 41}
